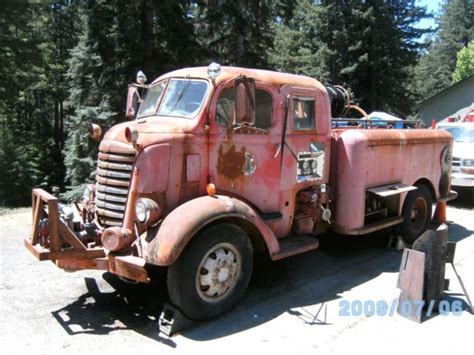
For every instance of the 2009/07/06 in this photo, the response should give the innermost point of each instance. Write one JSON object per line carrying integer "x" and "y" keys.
{"x": 383, "y": 308}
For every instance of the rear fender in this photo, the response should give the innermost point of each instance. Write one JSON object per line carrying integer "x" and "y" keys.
{"x": 164, "y": 245}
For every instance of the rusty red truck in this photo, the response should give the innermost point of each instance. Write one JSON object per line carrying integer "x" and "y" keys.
{"x": 219, "y": 162}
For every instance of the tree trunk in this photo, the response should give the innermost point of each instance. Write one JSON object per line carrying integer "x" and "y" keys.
{"x": 147, "y": 31}
{"x": 61, "y": 125}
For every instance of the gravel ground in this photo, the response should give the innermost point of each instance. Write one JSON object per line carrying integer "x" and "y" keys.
{"x": 292, "y": 305}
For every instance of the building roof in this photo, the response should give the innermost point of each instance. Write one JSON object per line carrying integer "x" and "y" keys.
{"x": 442, "y": 92}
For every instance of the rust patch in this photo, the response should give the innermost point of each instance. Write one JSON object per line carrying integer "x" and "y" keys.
{"x": 378, "y": 137}
{"x": 230, "y": 164}
{"x": 250, "y": 130}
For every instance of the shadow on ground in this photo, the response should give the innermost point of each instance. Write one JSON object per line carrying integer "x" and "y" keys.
{"x": 131, "y": 306}
{"x": 465, "y": 199}
{"x": 137, "y": 307}
{"x": 340, "y": 264}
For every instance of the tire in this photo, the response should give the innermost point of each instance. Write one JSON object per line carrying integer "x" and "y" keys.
{"x": 223, "y": 251}
{"x": 416, "y": 213}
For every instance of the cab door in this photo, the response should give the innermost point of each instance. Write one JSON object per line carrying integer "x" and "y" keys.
{"x": 244, "y": 159}
{"x": 306, "y": 147}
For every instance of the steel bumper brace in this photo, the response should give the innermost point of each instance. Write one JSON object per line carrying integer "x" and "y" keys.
{"x": 69, "y": 253}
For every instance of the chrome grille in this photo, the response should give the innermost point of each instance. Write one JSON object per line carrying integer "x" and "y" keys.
{"x": 456, "y": 165}
{"x": 114, "y": 172}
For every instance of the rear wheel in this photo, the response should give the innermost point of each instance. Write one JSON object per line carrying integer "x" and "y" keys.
{"x": 212, "y": 273}
{"x": 416, "y": 213}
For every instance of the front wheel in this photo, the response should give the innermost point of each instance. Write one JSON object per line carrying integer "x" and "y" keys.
{"x": 416, "y": 213}
{"x": 213, "y": 272}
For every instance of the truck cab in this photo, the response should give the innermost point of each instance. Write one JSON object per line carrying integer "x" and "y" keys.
{"x": 219, "y": 162}
{"x": 463, "y": 152}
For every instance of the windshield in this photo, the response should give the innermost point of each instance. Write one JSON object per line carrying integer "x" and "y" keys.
{"x": 461, "y": 134}
{"x": 183, "y": 98}
{"x": 148, "y": 106}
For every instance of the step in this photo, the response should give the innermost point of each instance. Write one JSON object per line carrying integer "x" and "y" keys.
{"x": 293, "y": 245}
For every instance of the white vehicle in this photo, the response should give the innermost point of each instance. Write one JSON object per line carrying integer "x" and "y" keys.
{"x": 463, "y": 152}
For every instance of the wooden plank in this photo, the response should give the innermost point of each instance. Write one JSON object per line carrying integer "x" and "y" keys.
{"x": 36, "y": 250}
{"x": 75, "y": 264}
{"x": 45, "y": 254}
{"x": 411, "y": 282}
{"x": 76, "y": 254}
{"x": 53, "y": 225}
{"x": 36, "y": 204}
{"x": 70, "y": 237}
{"x": 44, "y": 195}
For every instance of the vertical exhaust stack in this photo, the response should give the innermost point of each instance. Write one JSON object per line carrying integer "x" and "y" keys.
{"x": 340, "y": 100}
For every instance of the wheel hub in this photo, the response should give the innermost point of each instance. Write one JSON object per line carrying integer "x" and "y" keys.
{"x": 223, "y": 274}
{"x": 418, "y": 213}
{"x": 218, "y": 272}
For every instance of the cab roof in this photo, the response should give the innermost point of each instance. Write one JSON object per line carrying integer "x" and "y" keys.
{"x": 273, "y": 78}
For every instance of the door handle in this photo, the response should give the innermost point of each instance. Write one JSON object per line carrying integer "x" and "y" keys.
{"x": 278, "y": 149}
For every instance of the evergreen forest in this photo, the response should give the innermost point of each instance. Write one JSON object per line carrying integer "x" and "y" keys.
{"x": 66, "y": 64}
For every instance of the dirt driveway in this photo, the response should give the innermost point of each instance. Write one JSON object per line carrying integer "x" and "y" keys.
{"x": 295, "y": 305}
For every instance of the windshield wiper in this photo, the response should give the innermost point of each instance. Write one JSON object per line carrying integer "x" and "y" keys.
{"x": 181, "y": 93}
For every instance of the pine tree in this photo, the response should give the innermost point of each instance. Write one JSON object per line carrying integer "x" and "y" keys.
{"x": 368, "y": 46}
{"x": 236, "y": 32}
{"x": 88, "y": 104}
{"x": 29, "y": 156}
{"x": 298, "y": 46}
{"x": 435, "y": 69}
{"x": 383, "y": 43}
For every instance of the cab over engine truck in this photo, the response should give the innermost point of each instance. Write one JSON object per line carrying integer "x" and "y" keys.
{"x": 220, "y": 162}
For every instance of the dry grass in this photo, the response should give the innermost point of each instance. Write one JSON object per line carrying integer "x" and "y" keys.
{"x": 15, "y": 216}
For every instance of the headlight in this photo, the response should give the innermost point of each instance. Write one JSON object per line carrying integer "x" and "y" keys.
{"x": 131, "y": 135}
{"x": 467, "y": 166}
{"x": 147, "y": 210}
{"x": 468, "y": 163}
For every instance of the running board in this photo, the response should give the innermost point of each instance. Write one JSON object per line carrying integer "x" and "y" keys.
{"x": 293, "y": 245}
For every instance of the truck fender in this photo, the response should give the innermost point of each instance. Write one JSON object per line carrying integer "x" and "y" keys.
{"x": 164, "y": 245}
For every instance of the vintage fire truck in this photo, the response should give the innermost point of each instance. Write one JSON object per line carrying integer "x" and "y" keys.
{"x": 217, "y": 163}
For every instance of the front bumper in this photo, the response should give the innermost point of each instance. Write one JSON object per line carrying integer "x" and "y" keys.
{"x": 68, "y": 252}
{"x": 461, "y": 179}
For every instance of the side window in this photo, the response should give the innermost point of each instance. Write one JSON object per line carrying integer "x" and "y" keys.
{"x": 263, "y": 112}
{"x": 225, "y": 108}
{"x": 304, "y": 113}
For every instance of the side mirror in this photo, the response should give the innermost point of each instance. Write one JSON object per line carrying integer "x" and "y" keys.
{"x": 244, "y": 101}
{"x": 133, "y": 101}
